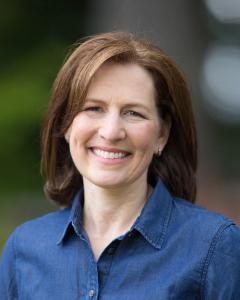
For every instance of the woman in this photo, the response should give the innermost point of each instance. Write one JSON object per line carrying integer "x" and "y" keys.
{"x": 119, "y": 152}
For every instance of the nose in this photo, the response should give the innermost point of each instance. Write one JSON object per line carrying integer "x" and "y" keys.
{"x": 112, "y": 128}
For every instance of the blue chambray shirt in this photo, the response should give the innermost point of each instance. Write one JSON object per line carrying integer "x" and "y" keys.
{"x": 175, "y": 250}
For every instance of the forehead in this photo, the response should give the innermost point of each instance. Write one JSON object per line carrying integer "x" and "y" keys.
{"x": 125, "y": 81}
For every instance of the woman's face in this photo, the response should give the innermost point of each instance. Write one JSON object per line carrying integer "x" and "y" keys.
{"x": 113, "y": 138}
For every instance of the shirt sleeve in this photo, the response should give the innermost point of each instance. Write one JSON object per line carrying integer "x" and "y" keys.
{"x": 221, "y": 280}
{"x": 8, "y": 290}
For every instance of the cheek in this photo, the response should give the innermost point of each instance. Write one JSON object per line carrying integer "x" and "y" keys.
{"x": 146, "y": 136}
{"x": 81, "y": 130}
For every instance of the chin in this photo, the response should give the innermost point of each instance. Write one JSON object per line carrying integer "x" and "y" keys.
{"x": 108, "y": 182}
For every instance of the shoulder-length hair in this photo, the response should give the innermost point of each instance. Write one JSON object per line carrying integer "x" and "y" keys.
{"x": 178, "y": 162}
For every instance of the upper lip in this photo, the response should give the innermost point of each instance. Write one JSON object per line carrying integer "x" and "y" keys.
{"x": 116, "y": 150}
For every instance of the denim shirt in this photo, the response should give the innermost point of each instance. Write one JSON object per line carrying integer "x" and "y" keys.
{"x": 174, "y": 250}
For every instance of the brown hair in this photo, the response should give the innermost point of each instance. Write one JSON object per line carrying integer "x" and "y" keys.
{"x": 178, "y": 162}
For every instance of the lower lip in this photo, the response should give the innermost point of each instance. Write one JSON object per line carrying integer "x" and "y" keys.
{"x": 111, "y": 161}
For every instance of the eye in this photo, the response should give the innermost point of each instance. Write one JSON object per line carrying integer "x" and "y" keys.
{"x": 133, "y": 113}
{"x": 93, "y": 108}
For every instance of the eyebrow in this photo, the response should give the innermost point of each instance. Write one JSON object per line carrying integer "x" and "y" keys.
{"x": 128, "y": 104}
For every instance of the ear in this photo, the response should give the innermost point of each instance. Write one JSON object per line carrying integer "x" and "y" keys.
{"x": 165, "y": 127}
{"x": 67, "y": 134}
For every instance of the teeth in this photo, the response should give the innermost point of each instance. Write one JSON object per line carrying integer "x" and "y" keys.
{"x": 111, "y": 155}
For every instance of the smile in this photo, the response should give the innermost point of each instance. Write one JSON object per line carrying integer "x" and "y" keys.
{"x": 108, "y": 154}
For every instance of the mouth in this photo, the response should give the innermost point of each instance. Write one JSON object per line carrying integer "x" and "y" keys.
{"x": 110, "y": 154}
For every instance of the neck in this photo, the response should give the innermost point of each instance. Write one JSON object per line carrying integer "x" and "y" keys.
{"x": 111, "y": 212}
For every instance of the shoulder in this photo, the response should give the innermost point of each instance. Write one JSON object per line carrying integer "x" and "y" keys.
{"x": 29, "y": 242}
{"x": 51, "y": 219}
{"x": 212, "y": 240}
{"x": 212, "y": 231}
{"x": 195, "y": 215}
{"x": 221, "y": 273}
{"x": 200, "y": 226}
{"x": 47, "y": 228}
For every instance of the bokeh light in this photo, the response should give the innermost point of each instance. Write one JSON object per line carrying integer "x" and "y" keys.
{"x": 225, "y": 11}
{"x": 221, "y": 82}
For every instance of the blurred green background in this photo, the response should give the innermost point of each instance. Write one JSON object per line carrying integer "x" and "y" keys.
{"x": 35, "y": 36}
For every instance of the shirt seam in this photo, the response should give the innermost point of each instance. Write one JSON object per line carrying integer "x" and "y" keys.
{"x": 166, "y": 224}
{"x": 210, "y": 255}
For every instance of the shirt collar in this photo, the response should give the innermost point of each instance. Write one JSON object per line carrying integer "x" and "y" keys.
{"x": 152, "y": 222}
{"x": 155, "y": 216}
{"x": 75, "y": 217}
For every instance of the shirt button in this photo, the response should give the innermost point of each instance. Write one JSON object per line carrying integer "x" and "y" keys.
{"x": 91, "y": 293}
